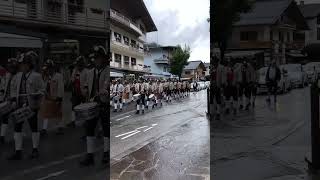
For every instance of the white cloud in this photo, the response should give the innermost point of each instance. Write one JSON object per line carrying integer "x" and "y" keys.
{"x": 182, "y": 22}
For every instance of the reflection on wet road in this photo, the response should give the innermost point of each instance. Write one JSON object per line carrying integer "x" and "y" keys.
{"x": 171, "y": 142}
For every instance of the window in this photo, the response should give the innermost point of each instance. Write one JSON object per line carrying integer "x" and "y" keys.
{"x": 117, "y": 36}
{"x": 281, "y": 36}
{"x": 318, "y": 19}
{"x": 249, "y": 36}
{"x": 187, "y": 72}
{"x": 117, "y": 58}
{"x": 318, "y": 34}
{"x": 126, "y": 40}
{"x": 133, "y": 61}
{"x": 126, "y": 60}
{"x": 271, "y": 35}
{"x": 133, "y": 43}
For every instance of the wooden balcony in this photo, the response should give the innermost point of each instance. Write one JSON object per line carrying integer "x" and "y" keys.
{"x": 126, "y": 22}
{"x": 64, "y": 17}
{"x": 255, "y": 45}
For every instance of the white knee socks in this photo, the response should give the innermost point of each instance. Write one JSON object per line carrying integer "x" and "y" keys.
{"x": 35, "y": 140}
{"x": 18, "y": 141}
{"x": 45, "y": 124}
{"x": 4, "y": 129}
{"x": 138, "y": 107}
{"x": 90, "y": 144}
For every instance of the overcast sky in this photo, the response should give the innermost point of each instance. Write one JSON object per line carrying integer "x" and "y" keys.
{"x": 182, "y": 22}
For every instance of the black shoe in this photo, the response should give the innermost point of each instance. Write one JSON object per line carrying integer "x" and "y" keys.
{"x": 88, "y": 160}
{"x": 72, "y": 125}
{"x": 115, "y": 110}
{"x": 105, "y": 158}
{"x": 16, "y": 156}
{"x": 60, "y": 131}
{"x": 138, "y": 112}
{"x": 43, "y": 133}
{"x": 120, "y": 110}
{"x": 34, "y": 154}
{"x": 142, "y": 111}
{"x": 2, "y": 140}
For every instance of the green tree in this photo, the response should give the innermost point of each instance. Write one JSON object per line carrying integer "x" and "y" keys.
{"x": 179, "y": 60}
{"x": 223, "y": 16}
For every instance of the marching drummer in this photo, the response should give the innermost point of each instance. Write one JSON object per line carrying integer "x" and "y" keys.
{"x": 117, "y": 92}
{"x": 171, "y": 89}
{"x": 98, "y": 82}
{"x": 79, "y": 86}
{"x": 12, "y": 67}
{"x": 52, "y": 103}
{"x": 126, "y": 94}
{"x": 147, "y": 89}
{"x": 141, "y": 101}
{"x": 30, "y": 83}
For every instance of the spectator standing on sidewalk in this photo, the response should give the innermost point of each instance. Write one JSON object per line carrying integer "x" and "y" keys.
{"x": 230, "y": 89}
{"x": 273, "y": 76}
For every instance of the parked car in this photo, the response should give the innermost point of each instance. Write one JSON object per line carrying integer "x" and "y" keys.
{"x": 284, "y": 85}
{"x": 296, "y": 74}
{"x": 313, "y": 71}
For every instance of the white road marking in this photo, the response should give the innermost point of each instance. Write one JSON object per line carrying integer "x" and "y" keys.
{"x": 126, "y": 133}
{"x": 148, "y": 129}
{"x": 131, "y": 135}
{"x": 141, "y": 127}
{"x": 52, "y": 175}
{"x": 123, "y": 118}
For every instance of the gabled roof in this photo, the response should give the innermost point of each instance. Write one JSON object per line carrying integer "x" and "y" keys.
{"x": 310, "y": 10}
{"x": 193, "y": 65}
{"x": 264, "y": 12}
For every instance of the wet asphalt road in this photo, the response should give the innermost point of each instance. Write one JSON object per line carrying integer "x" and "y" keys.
{"x": 60, "y": 155}
{"x": 268, "y": 143}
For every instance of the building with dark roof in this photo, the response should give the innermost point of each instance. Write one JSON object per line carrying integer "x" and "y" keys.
{"x": 159, "y": 58}
{"x": 311, "y": 12}
{"x": 130, "y": 23}
{"x": 270, "y": 27}
{"x": 195, "y": 70}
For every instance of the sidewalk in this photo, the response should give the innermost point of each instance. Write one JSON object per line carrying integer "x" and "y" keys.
{"x": 182, "y": 154}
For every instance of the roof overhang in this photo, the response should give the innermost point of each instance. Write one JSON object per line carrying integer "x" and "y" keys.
{"x": 135, "y": 9}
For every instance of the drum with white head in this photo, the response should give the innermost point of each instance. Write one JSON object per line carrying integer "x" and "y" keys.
{"x": 86, "y": 111}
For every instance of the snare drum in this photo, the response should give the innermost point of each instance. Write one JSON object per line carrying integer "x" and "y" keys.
{"x": 151, "y": 96}
{"x": 5, "y": 108}
{"x": 21, "y": 114}
{"x": 136, "y": 96}
{"x": 86, "y": 111}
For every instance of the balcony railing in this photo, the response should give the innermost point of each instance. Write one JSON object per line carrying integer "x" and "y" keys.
{"x": 161, "y": 61}
{"x": 128, "y": 67}
{"x": 255, "y": 44}
{"x": 59, "y": 14}
{"x": 124, "y": 47}
{"x": 125, "y": 21}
